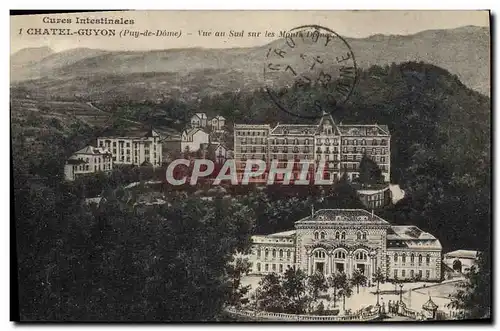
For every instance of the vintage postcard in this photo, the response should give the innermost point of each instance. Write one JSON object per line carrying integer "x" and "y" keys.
{"x": 305, "y": 166}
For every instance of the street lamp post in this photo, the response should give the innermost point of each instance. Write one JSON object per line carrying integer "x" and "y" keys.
{"x": 401, "y": 292}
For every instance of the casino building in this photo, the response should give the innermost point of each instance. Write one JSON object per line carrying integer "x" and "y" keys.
{"x": 343, "y": 240}
{"x": 339, "y": 146}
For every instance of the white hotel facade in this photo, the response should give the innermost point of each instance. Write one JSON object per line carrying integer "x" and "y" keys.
{"x": 343, "y": 240}
{"x": 341, "y": 147}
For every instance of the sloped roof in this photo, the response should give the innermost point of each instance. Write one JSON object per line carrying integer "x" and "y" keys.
{"x": 429, "y": 305}
{"x": 283, "y": 234}
{"x": 191, "y": 132}
{"x": 298, "y": 129}
{"x": 220, "y": 118}
{"x": 363, "y": 129}
{"x": 201, "y": 116}
{"x": 463, "y": 253}
{"x": 343, "y": 216}
{"x": 92, "y": 150}
{"x": 410, "y": 236}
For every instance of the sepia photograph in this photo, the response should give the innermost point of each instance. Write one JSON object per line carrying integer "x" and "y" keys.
{"x": 326, "y": 166}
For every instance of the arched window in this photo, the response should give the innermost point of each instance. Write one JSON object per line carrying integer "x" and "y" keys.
{"x": 342, "y": 236}
{"x": 428, "y": 259}
{"x": 395, "y": 257}
{"x": 267, "y": 253}
{"x": 364, "y": 235}
{"x": 258, "y": 267}
{"x": 337, "y": 235}
{"x": 412, "y": 258}
{"x": 322, "y": 235}
{"x": 316, "y": 235}
{"x": 285, "y": 141}
{"x": 281, "y": 253}
{"x": 306, "y": 142}
{"x": 403, "y": 259}
{"x": 274, "y": 253}
{"x": 419, "y": 259}
{"x": 288, "y": 254}
{"x": 296, "y": 141}
{"x": 358, "y": 235}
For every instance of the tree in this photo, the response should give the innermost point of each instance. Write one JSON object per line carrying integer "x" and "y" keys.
{"x": 474, "y": 296}
{"x": 378, "y": 277}
{"x": 345, "y": 292}
{"x": 241, "y": 266}
{"x": 270, "y": 294}
{"x": 337, "y": 281}
{"x": 369, "y": 171}
{"x": 294, "y": 287}
{"x": 316, "y": 283}
{"x": 358, "y": 278}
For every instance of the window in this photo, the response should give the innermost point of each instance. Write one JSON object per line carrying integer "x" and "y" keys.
{"x": 281, "y": 268}
{"x": 281, "y": 253}
{"x": 364, "y": 235}
{"x": 420, "y": 273}
{"x": 403, "y": 273}
{"x": 258, "y": 267}
{"x": 274, "y": 267}
{"x": 395, "y": 273}
{"x": 403, "y": 259}
{"x": 266, "y": 253}
{"x": 288, "y": 254}
{"x": 322, "y": 235}
{"x": 419, "y": 259}
{"x": 339, "y": 255}
{"x": 274, "y": 253}
{"x": 412, "y": 273}
{"x": 258, "y": 253}
{"x": 374, "y": 142}
{"x": 267, "y": 267}
{"x": 427, "y": 273}
{"x": 395, "y": 257}
{"x": 315, "y": 235}
{"x": 428, "y": 259}
{"x": 412, "y": 258}
{"x": 358, "y": 235}
{"x": 285, "y": 141}
{"x": 306, "y": 142}
{"x": 337, "y": 235}
{"x": 342, "y": 235}
{"x": 361, "y": 256}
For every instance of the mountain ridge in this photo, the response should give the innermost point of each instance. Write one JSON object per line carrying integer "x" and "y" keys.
{"x": 464, "y": 51}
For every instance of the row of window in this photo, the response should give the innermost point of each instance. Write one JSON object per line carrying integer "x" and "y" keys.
{"x": 250, "y": 133}
{"x": 363, "y": 142}
{"x": 341, "y": 255}
{"x": 274, "y": 252}
{"x": 412, "y": 273}
{"x": 86, "y": 167}
{"x": 274, "y": 268}
{"x": 412, "y": 258}
{"x": 340, "y": 235}
{"x": 362, "y": 150}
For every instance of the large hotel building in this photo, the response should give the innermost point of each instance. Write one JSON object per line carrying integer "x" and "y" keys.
{"x": 339, "y": 147}
{"x": 342, "y": 240}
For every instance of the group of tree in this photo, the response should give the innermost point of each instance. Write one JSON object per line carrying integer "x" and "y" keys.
{"x": 296, "y": 293}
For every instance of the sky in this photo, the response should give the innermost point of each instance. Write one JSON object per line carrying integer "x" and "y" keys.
{"x": 355, "y": 24}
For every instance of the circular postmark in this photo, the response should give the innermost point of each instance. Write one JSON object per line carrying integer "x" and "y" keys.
{"x": 311, "y": 71}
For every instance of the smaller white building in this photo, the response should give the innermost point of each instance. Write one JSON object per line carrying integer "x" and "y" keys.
{"x": 86, "y": 161}
{"x": 222, "y": 153}
{"x": 217, "y": 123}
{"x": 199, "y": 120}
{"x": 192, "y": 139}
{"x": 461, "y": 260}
